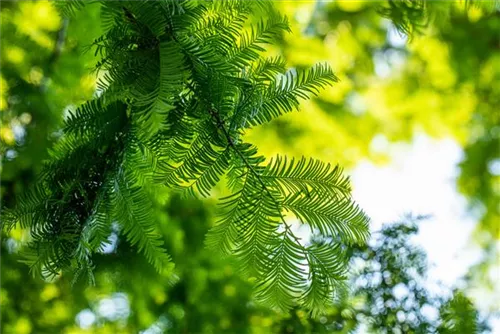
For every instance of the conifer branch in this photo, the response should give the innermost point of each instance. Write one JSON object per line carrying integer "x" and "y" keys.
{"x": 220, "y": 125}
{"x": 164, "y": 64}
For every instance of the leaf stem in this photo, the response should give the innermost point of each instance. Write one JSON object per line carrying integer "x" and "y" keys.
{"x": 220, "y": 125}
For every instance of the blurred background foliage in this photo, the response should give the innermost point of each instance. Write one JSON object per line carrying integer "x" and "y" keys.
{"x": 405, "y": 68}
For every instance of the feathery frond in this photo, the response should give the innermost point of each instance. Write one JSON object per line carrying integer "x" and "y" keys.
{"x": 154, "y": 105}
{"x": 282, "y": 95}
{"x": 180, "y": 83}
{"x": 133, "y": 210}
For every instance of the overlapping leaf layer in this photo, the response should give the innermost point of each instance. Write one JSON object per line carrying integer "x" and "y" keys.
{"x": 180, "y": 83}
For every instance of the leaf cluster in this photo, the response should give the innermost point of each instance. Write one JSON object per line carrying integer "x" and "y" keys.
{"x": 180, "y": 82}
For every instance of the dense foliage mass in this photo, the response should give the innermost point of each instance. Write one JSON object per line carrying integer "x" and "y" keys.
{"x": 181, "y": 82}
{"x": 46, "y": 60}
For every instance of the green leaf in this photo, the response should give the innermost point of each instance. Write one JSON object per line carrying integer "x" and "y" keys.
{"x": 133, "y": 211}
{"x": 283, "y": 94}
{"x": 154, "y": 105}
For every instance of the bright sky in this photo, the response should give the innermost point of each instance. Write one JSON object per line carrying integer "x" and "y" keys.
{"x": 421, "y": 180}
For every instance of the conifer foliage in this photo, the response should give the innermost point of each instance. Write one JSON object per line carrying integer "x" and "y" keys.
{"x": 180, "y": 83}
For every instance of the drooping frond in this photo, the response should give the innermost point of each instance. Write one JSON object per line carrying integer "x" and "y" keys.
{"x": 249, "y": 46}
{"x": 154, "y": 105}
{"x": 91, "y": 117}
{"x": 284, "y": 274}
{"x": 282, "y": 95}
{"x": 252, "y": 218}
{"x": 259, "y": 219}
{"x": 319, "y": 195}
{"x": 222, "y": 237}
{"x": 195, "y": 157}
{"x": 97, "y": 228}
{"x": 268, "y": 69}
{"x": 180, "y": 82}
{"x": 30, "y": 211}
{"x": 203, "y": 177}
{"x": 133, "y": 210}
{"x": 331, "y": 217}
{"x": 327, "y": 271}
{"x": 302, "y": 176}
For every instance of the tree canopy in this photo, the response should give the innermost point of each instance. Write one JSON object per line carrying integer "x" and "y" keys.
{"x": 96, "y": 171}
